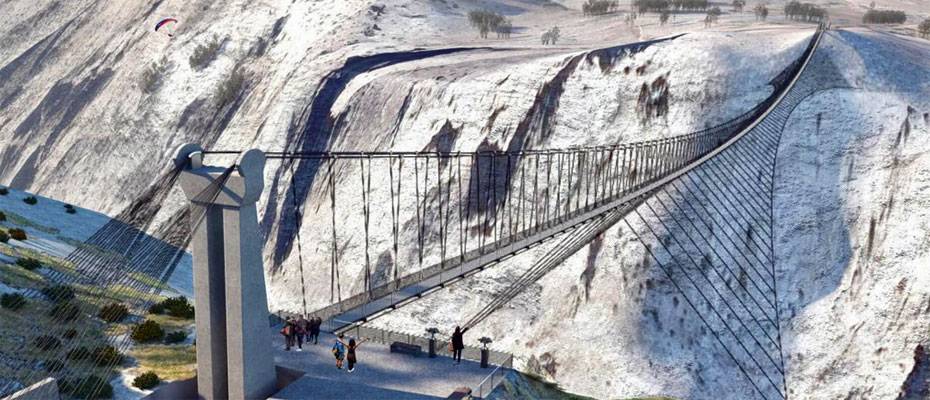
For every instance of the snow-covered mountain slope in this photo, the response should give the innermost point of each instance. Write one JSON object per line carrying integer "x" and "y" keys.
{"x": 851, "y": 241}
{"x": 92, "y": 104}
{"x": 478, "y": 100}
{"x": 94, "y": 101}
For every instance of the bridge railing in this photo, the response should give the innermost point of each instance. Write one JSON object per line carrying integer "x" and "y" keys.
{"x": 387, "y": 337}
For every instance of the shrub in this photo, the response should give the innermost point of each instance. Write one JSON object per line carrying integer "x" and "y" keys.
{"x": 804, "y": 11}
{"x": 28, "y": 263}
{"x": 58, "y": 293}
{"x": 147, "y": 332}
{"x": 4, "y": 191}
{"x": 89, "y": 387}
{"x": 106, "y": 356}
{"x": 146, "y": 381}
{"x": 157, "y": 308}
{"x": 53, "y": 365}
{"x": 64, "y": 312}
{"x": 924, "y": 28}
{"x": 153, "y": 77}
{"x": 175, "y": 337}
{"x": 228, "y": 90}
{"x": 873, "y": 16}
{"x": 598, "y": 7}
{"x": 2, "y": 216}
{"x": 12, "y": 301}
{"x": 177, "y": 307}
{"x": 70, "y": 334}
{"x": 18, "y": 234}
{"x": 114, "y": 312}
{"x": 4, "y": 237}
{"x": 31, "y": 200}
{"x": 79, "y": 353}
{"x": 46, "y": 343}
{"x": 204, "y": 54}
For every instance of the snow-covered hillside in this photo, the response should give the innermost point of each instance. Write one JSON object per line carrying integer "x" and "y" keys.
{"x": 851, "y": 241}
{"x": 93, "y": 103}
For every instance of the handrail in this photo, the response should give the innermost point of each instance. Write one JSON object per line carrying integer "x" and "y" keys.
{"x": 492, "y": 385}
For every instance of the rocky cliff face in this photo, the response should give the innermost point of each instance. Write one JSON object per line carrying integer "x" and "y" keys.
{"x": 850, "y": 200}
{"x": 94, "y": 102}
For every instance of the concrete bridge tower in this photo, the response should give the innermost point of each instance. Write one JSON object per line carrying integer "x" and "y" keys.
{"x": 234, "y": 351}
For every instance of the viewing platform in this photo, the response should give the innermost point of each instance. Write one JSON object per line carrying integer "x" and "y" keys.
{"x": 379, "y": 373}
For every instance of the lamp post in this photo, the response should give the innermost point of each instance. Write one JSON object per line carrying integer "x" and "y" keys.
{"x": 432, "y": 341}
{"x": 484, "y": 351}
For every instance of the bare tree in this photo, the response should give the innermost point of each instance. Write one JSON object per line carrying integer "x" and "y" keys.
{"x": 738, "y": 5}
{"x": 551, "y": 36}
{"x": 924, "y": 28}
{"x": 761, "y": 11}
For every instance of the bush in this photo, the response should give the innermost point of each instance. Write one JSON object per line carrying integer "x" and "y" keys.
{"x": 89, "y": 387}
{"x": 924, "y": 28}
{"x": 642, "y": 6}
{"x": 58, "y": 293}
{"x": 147, "y": 332}
{"x": 18, "y": 234}
{"x": 157, "y": 308}
{"x": 12, "y": 301}
{"x": 2, "y": 216}
{"x": 153, "y": 77}
{"x": 175, "y": 337}
{"x": 177, "y": 307}
{"x": 31, "y": 200}
{"x": 79, "y": 353}
{"x": 4, "y": 237}
{"x": 28, "y": 263}
{"x": 113, "y": 313}
{"x": 46, "y": 343}
{"x": 64, "y": 312}
{"x": 70, "y": 334}
{"x": 804, "y": 11}
{"x": 204, "y": 54}
{"x": 4, "y": 191}
{"x": 146, "y": 381}
{"x": 106, "y": 356}
{"x": 53, "y": 365}
{"x": 600, "y": 7}
{"x": 228, "y": 90}
{"x": 884, "y": 17}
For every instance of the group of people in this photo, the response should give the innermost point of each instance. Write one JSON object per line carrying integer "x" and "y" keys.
{"x": 295, "y": 331}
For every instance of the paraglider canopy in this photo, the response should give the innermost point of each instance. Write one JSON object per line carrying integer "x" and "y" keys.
{"x": 166, "y": 25}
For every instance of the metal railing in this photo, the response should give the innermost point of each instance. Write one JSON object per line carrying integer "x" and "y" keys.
{"x": 493, "y": 379}
{"x": 387, "y": 337}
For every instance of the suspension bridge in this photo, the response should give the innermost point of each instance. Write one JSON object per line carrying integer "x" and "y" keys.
{"x": 400, "y": 225}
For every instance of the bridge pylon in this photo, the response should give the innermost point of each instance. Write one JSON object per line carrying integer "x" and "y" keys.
{"x": 234, "y": 350}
